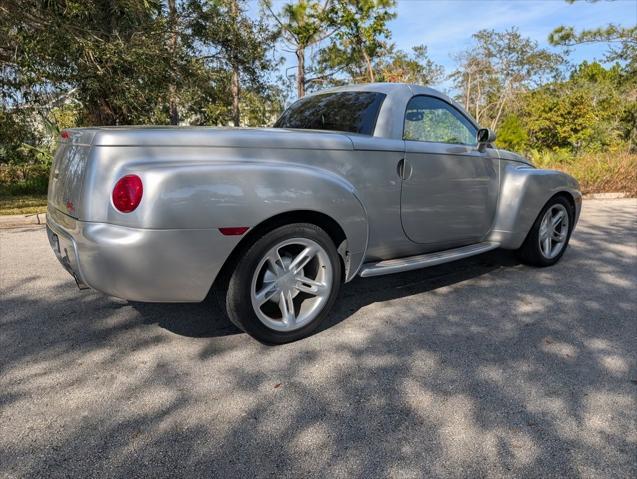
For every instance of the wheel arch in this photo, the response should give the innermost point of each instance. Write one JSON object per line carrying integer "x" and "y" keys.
{"x": 568, "y": 196}
{"x": 560, "y": 194}
{"x": 334, "y": 230}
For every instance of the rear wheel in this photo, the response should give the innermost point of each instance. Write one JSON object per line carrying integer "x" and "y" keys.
{"x": 547, "y": 241}
{"x": 285, "y": 284}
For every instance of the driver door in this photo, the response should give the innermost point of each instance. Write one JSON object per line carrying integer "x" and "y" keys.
{"x": 449, "y": 190}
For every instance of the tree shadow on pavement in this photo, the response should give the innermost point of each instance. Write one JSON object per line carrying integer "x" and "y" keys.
{"x": 206, "y": 319}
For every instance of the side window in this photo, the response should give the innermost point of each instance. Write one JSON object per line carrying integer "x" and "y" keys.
{"x": 431, "y": 119}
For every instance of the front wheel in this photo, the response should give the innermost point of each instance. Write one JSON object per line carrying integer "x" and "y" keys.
{"x": 285, "y": 284}
{"x": 549, "y": 236}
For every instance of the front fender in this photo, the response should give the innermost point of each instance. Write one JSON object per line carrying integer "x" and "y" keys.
{"x": 524, "y": 190}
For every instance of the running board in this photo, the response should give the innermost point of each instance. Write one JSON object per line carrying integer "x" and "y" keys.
{"x": 424, "y": 260}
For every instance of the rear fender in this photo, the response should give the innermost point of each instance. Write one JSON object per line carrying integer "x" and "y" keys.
{"x": 204, "y": 195}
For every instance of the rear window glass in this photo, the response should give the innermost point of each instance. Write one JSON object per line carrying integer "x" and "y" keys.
{"x": 353, "y": 112}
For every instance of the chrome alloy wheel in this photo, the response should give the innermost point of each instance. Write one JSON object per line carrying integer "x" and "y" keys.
{"x": 291, "y": 284}
{"x": 553, "y": 231}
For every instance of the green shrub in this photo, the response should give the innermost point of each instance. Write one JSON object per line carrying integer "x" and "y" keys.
{"x": 512, "y": 135}
{"x": 24, "y": 179}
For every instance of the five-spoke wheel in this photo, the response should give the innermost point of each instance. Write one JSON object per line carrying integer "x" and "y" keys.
{"x": 554, "y": 230}
{"x": 291, "y": 284}
{"x": 548, "y": 238}
{"x": 284, "y": 283}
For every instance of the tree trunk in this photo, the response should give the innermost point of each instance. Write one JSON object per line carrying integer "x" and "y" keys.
{"x": 300, "y": 71}
{"x": 370, "y": 70}
{"x": 236, "y": 90}
{"x": 478, "y": 98}
{"x": 467, "y": 93}
{"x": 500, "y": 108}
{"x": 100, "y": 113}
{"x": 235, "y": 87}
{"x": 172, "y": 89}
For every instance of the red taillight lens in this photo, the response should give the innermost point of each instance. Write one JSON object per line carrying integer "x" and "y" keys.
{"x": 65, "y": 135}
{"x": 128, "y": 193}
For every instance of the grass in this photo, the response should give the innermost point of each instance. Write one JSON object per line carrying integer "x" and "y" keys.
{"x": 596, "y": 173}
{"x": 22, "y": 204}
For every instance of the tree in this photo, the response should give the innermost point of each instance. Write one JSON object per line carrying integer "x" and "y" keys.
{"x": 581, "y": 114}
{"x": 361, "y": 37}
{"x": 498, "y": 68}
{"x": 512, "y": 134}
{"x": 622, "y": 41}
{"x": 622, "y": 48}
{"x": 230, "y": 41}
{"x": 398, "y": 66}
{"x": 303, "y": 25}
{"x": 474, "y": 77}
{"x": 113, "y": 54}
{"x": 173, "y": 25}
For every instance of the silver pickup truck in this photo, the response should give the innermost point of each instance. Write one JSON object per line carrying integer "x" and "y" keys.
{"x": 359, "y": 180}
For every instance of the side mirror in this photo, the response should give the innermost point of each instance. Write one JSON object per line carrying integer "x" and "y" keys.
{"x": 484, "y": 137}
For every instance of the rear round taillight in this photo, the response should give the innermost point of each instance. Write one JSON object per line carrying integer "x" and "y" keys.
{"x": 128, "y": 193}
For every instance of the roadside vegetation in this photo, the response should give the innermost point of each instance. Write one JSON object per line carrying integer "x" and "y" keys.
{"x": 596, "y": 172}
{"x": 22, "y": 204}
{"x": 66, "y": 63}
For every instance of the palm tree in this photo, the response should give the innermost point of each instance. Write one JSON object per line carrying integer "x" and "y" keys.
{"x": 302, "y": 25}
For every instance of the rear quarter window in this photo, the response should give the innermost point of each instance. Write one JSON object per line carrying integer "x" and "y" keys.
{"x": 353, "y": 112}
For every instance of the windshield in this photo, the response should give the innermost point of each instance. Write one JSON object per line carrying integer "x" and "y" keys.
{"x": 353, "y": 112}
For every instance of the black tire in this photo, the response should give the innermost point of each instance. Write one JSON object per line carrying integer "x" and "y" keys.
{"x": 530, "y": 252}
{"x": 237, "y": 301}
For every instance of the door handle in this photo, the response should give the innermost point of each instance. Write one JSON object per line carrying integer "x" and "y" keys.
{"x": 403, "y": 169}
{"x": 400, "y": 168}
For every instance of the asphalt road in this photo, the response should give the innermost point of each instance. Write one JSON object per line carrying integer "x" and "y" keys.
{"x": 480, "y": 368}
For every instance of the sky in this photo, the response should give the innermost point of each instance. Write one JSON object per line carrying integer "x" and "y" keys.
{"x": 445, "y": 27}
